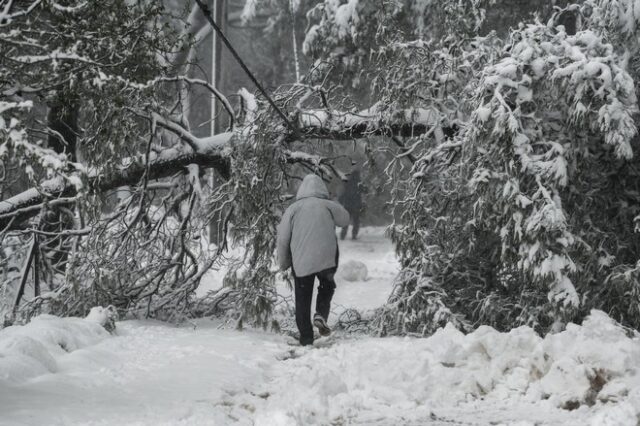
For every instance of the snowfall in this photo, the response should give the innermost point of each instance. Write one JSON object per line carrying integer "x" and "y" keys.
{"x": 71, "y": 371}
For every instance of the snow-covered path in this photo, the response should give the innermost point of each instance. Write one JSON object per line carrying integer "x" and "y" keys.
{"x": 155, "y": 374}
{"x": 151, "y": 373}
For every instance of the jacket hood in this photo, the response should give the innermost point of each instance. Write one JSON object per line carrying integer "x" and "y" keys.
{"x": 312, "y": 186}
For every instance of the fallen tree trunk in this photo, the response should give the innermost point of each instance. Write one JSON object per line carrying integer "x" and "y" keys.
{"x": 19, "y": 208}
{"x": 208, "y": 153}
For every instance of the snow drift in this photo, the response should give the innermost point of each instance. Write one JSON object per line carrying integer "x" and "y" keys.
{"x": 106, "y": 317}
{"x": 593, "y": 367}
{"x": 31, "y": 350}
{"x": 585, "y": 375}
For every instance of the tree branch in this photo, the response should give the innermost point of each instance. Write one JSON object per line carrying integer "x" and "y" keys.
{"x": 209, "y": 153}
{"x": 338, "y": 125}
{"x": 16, "y": 210}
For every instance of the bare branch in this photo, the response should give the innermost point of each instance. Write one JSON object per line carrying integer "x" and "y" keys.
{"x": 215, "y": 92}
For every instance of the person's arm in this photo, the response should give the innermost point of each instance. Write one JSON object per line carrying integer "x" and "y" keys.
{"x": 283, "y": 241}
{"x": 339, "y": 213}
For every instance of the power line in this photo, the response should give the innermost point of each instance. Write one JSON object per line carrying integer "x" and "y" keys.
{"x": 207, "y": 13}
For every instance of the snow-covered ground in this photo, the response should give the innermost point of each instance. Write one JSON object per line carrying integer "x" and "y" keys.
{"x": 71, "y": 372}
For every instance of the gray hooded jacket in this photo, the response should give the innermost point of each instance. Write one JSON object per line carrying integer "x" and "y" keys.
{"x": 307, "y": 231}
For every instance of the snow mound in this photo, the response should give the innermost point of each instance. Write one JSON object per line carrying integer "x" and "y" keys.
{"x": 596, "y": 366}
{"x": 353, "y": 270}
{"x": 30, "y": 350}
{"x": 590, "y": 363}
{"x": 106, "y": 317}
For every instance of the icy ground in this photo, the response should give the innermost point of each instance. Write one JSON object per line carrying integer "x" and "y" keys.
{"x": 71, "y": 372}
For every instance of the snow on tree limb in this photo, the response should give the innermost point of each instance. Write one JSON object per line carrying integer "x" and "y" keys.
{"x": 53, "y": 56}
{"x": 69, "y": 9}
{"x": 27, "y": 204}
{"x": 6, "y": 16}
{"x": 337, "y": 125}
{"x": 209, "y": 152}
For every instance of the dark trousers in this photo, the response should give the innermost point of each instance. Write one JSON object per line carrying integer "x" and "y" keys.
{"x": 304, "y": 294}
{"x": 355, "y": 221}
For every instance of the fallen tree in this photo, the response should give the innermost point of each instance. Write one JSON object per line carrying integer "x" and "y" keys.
{"x": 16, "y": 210}
{"x": 209, "y": 153}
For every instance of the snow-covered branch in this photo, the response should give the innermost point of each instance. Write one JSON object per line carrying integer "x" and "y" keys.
{"x": 53, "y": 56}
{"x": 6, "y": 16}
{"x": 337, "y": 125}
{"x": 209, "y": 152}
{"x": 69, "y": 9}
{"x": 15, "y": 210}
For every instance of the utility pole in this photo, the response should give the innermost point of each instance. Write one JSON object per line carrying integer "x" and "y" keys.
{"x": 218, "y": 9}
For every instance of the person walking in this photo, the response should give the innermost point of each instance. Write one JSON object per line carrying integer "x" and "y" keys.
{"x": 351, "y": 199}
{"x": 307, "y": 243}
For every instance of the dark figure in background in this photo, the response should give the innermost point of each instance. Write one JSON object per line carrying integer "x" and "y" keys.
{"x": 307, "y": 243}
{"x": 351, "y": 199}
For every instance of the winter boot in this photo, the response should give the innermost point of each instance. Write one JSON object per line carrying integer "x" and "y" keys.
{"x": 321, "y": 323}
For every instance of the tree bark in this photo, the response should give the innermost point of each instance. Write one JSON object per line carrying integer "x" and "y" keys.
{"x": 62, "y": 122}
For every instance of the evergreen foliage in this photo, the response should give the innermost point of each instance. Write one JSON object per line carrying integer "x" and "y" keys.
{"x": 526, "y": 215}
